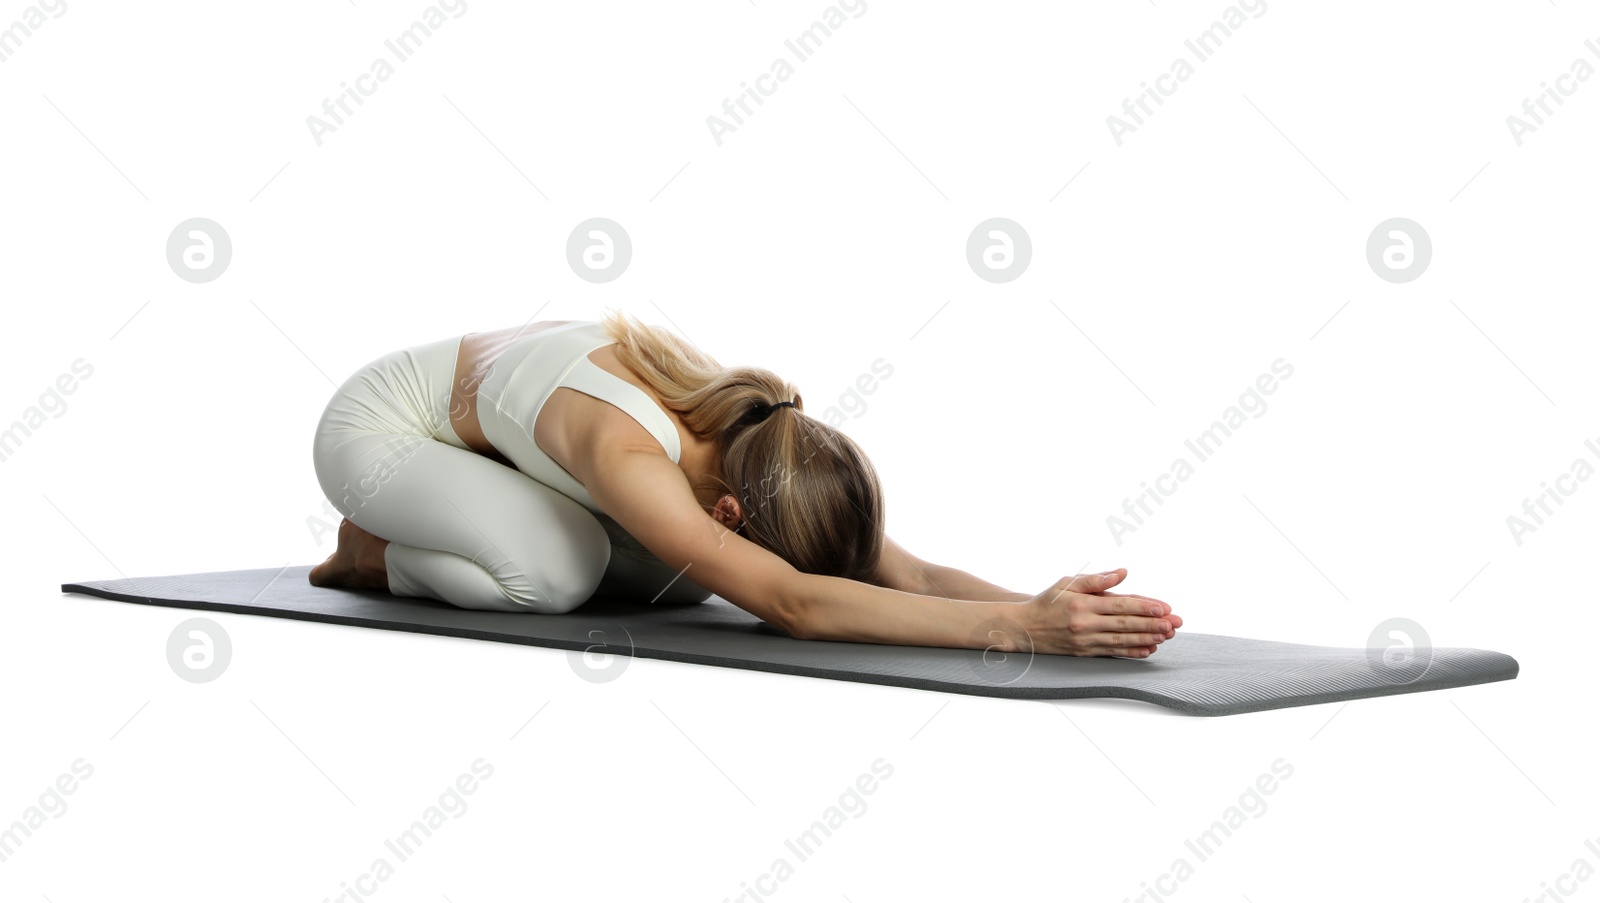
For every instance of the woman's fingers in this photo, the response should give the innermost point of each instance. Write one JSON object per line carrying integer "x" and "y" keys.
{"x": 1121, "y": 641}
{"x": 1103, "y": 623}
{"x": 1098, "y": 584}
{"x": 1124, "y": 623}
{"x": 1164, "y": 605}
{"x": 1154, "y": 607}
{"x": 1094, "y": 583}
{"x": 1114, "y": 604}
{"x": 1123, "y": 651}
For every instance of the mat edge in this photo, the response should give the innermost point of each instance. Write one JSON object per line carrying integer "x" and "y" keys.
{"x": 991, "y": 691}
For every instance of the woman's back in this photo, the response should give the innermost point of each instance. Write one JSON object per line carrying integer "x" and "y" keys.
{"x": 505, "y": 380}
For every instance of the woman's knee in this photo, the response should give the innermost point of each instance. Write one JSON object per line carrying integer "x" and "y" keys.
{"x": 566, "y": 593}
{"x": 546, "y": 603}
{"x": 560, "y": 570}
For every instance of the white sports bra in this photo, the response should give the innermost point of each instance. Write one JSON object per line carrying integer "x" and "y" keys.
{"x": 523, "y": 377}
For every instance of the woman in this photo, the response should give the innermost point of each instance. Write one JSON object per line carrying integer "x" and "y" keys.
{"x": 529, "y": 469}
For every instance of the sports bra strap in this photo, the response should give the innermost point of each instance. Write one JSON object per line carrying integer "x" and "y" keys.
{"x": 592, "y": 379}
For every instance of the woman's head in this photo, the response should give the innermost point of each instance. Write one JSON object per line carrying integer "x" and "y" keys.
{"x": 805, "y": 491}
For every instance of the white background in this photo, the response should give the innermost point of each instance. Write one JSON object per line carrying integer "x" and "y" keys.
{"x": 826, "y": 232}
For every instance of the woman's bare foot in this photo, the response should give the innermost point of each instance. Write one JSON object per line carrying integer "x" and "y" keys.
{"x": 356, "y": 564}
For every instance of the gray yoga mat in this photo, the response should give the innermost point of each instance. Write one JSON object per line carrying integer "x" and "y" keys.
{"x": 1197, "y": 673}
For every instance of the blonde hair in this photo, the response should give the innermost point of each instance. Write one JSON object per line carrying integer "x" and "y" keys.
{"x": 807, "y": 492}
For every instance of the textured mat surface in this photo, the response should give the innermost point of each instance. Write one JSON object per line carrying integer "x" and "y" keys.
{"x": 1201, "y": 674}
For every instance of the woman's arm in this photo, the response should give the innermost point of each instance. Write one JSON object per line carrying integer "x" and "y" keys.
{"x": 949, "y": 581}
{"x": 899, "y": 569}
{"x": 648, "y": 496}
{"x": 836, "y": 608}
{"x": 1074, "y": 616}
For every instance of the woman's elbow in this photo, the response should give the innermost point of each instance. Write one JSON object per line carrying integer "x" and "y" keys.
{"x": 795, "y": 627}
{"x": 792, "y": 614}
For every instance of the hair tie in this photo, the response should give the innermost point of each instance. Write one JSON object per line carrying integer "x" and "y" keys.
{"x": 760, "y": 413}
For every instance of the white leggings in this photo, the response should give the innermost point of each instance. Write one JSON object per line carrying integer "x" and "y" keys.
{"x": 463, "y": 528}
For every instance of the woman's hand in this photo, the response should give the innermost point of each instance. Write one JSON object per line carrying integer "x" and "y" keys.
{"x": 1076, "y": 616}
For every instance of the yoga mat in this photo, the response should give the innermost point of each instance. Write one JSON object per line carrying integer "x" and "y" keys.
{"x": 1197, "y": 673}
